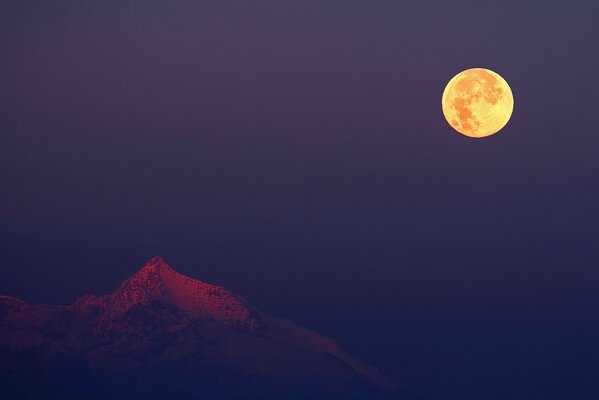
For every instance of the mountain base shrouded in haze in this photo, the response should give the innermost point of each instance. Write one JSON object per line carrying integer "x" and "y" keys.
{"x": 163, "y": 335}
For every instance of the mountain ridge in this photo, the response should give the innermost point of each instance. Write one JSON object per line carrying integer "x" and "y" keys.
{"x": 157, "y": 280}
{"x": 159, "y": 316}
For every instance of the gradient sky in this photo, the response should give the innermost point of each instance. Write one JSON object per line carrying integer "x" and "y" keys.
{"x": 296, "y": 153}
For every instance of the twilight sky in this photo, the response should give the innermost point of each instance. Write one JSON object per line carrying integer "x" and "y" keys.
{"x": 296, "y": 153}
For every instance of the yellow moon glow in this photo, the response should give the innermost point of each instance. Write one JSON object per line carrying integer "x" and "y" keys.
{"x": 477, "y": 102}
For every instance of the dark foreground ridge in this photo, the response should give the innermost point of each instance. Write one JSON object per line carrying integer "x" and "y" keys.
{"x": 161, "y": 334}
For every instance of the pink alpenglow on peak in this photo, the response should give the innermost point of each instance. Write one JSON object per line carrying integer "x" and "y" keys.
{"x": 159, "y": 281}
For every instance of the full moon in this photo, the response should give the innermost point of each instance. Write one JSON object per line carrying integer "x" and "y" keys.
{"x": 477, "y": 102}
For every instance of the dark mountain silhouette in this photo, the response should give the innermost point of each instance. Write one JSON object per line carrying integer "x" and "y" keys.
{"x": 161, "y": 334}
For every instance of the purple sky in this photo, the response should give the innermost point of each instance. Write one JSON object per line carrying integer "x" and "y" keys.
{"x": 295, "y": 152}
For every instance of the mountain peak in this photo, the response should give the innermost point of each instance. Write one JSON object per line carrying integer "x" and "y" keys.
{"x": 151, "y": 277}
{"x": 159, "y": 316}
{"x": 157, "y": 281}
{"x": 158, "y": 263}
